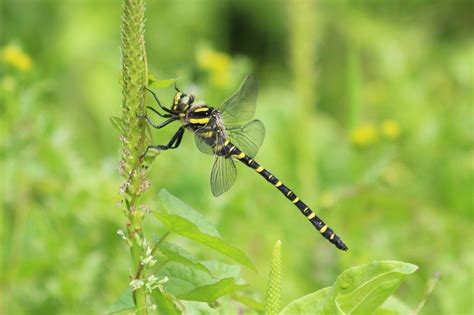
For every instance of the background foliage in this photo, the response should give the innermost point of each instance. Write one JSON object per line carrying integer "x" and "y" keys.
{"x": 374, "y": 124}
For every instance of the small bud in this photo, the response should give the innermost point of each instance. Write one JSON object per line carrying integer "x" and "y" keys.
{"x": 136, "y": 284}
{"x": 144, "y": 186}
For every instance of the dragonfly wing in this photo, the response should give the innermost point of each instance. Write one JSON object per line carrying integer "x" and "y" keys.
{"x": 204, "y": 137}
{"x": 249, "y": 137}
{"x": 240, "y": 107}
{"x": 223, "y": 175}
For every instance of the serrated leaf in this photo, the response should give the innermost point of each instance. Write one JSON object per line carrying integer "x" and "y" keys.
{"x": 358, "y": 290}
{"x": 164, "y": 302}
{"x": 178, "y": 254}
{"x": 117, "y": 123}
{"x": 125, "y": 302}
{"x": 185, "y": 221}
{"x": 210, "y": 293}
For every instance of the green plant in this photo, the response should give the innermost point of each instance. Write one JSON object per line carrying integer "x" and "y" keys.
{"x": 167, "y": 279}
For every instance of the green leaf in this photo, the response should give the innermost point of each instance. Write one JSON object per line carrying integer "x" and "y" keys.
{"x": 164, "y": 302}
{"x": 125, "y": 302}
{"x": 173, "y": 205}
{"x": 313, "y": 303}
{"x": 210, "y": 293}
{"x": 185, "y": 221}
{"x": 117, "y": 123}
{"x": 358, "y": 290}
{"x": 178, "y": 254}
{"x": 152, "y": 81}
{"x": 220, "y": 270}
{"x": 184, "y": 279}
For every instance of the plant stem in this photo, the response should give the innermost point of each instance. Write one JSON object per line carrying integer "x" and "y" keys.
{"x": 134, "y": 79}
{"x": 431, "y": 286}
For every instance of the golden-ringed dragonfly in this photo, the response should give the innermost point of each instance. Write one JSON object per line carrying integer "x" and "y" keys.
{"x": 229, "y": 134}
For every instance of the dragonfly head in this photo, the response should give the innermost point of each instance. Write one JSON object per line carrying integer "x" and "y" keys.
{"x": 182, "y": 102}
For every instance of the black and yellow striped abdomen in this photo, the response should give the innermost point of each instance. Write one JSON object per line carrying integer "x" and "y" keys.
{"x": 319, "y": 224}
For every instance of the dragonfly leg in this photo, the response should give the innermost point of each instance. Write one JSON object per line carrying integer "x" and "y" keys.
{"x": 160, "y": 125}
{"x": 158, "y": 113}
{"x": 172, "y": 144}
{"x": 158, "y": 101}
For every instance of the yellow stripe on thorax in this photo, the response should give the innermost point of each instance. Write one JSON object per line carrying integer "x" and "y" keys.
{"x": 204, "y": 120}
{"x": 201, "y": 109}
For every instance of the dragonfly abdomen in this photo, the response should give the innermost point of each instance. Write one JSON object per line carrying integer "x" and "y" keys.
{"x": 319, "y": 224}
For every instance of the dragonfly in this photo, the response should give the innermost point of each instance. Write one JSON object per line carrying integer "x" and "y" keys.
{"x": 230, "y": 134}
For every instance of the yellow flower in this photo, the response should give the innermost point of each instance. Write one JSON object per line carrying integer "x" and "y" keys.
{"x": 390, "y": 129}
{"x": 364, "y": 135}
{"x": 217, "y": 63}
{"x": 14, "y": 56}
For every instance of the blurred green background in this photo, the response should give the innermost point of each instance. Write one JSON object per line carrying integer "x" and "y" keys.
{"x": 369, "y": 118}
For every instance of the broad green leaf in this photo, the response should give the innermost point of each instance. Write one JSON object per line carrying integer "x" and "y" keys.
{"x": 313, "y": 303}
{"x": 358, "y": 290}
{"x": 178, "y": 254}
{"x": 125, "y": 302}
{"x": 184, "y": 279}
{"x": 172, "y": 205}
{"x": 189, "y": 230}
{"x": 185, "y": 221}
{"x": 164, "y": 302}
{"x": 220, "y": 270}
{"x": 210, "y": 293}
{"x": 363, "y": 289}
{"x": 117, "y": 123}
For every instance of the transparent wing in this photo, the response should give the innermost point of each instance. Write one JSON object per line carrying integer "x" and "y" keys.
{"x": 223, "y": 175}
{"x": 249, "y": 137}
{"x": 203, "y": 140}
{"x": 240, "y": 107}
